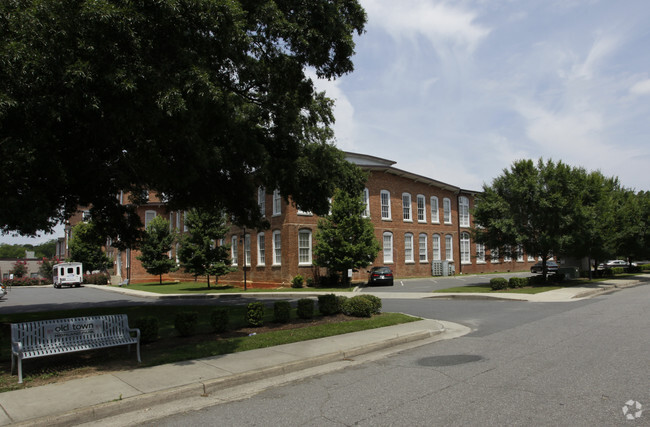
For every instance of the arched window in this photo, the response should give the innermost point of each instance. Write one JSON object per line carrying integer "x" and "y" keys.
{"x": 422, "y": 208}
{"x": 446, "y": 207}
{"x": 463, "y": 211}
{"x": 261, "y": 248}
{"x": 449, "y": 248}
{"x": 277, "y": 248}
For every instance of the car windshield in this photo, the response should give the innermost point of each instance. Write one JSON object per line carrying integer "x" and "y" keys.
{"x": 381, "y": 270}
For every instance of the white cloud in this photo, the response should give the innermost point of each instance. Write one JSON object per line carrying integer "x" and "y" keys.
{"x": 641, "y": 88}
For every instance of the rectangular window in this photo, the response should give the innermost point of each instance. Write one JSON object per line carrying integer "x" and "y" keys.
{"x": 463, "y": 211}
{"x": 388, "y": 248}
{"x": 366, "y": 202}
{"x": 304, "y": 247}
{"x": 435, "y": 215}
{"x": 520, "y": 253}
{"x": 422, "y": 208}
{"x": 408, "y": 247}
{"x": 449, "y": 250}
{"x": 277, "y": 203}
{"x": 446, "y": 206}
{"x": 233, "y": 250}
{"x": 423, "y": 247}
{"x": 247, "y": 249}
{"x": 406, "y": 206}
{"x": 261, "y": 200}
{"x": 465, "y": 256}
{"x": 507, "y": 256}
{"x": 261, "y": 248}
{"x": 277, "y": 248}
{"x": 494, "y": 256}
{"x": 148, "y": 217}
{"x": 436, "y": 247}
{"x": 385, "y": 204}
{"x": 480, "y": 253}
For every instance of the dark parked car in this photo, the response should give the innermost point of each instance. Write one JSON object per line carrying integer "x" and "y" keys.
{"x": 380, "y": 276}
{"x": 551, "y": 267}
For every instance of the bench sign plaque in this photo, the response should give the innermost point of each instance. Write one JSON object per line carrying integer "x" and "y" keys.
{"x": 72, "y": 329}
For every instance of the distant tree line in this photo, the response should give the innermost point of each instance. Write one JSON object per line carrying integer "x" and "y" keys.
{"x": 47, "y": 250}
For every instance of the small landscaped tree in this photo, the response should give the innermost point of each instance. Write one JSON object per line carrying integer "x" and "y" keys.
{"x": 345, "y": 239}
{"x": 86, "y": 247}
{"x": 155, "y": 247}
{"x": 199, "y": 254}
{"x": 19, "y": 269}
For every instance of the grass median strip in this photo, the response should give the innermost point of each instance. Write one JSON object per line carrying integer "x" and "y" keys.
{"x": 170, "y": 347}
{"x": 202, "y": 288}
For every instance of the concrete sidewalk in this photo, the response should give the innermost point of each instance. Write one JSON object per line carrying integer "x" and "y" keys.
{"x": 99, "y": 397}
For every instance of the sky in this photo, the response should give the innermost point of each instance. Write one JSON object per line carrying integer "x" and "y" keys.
{"x": 459, "y": 90}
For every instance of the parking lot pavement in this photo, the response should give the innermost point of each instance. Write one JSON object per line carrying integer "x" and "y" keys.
{"x": 430, "y": 284}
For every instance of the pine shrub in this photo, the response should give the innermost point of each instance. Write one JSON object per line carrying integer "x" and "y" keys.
{"x": 255, "y": 314}
{"x": 281, "y": 311}
{"x": 358, "y": 306}
{"x": 186, "y": 322}
{"x": 148, "y": 328}
{"x": 375, "y": 301}
{"x": 305, "y": 308}
{"x": 498, "y": 283}
{"x": 328, "y": 305}
{"x": 219, "y": 319}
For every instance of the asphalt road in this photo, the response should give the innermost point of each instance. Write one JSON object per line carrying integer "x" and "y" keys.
{"x": 572, "y": 363}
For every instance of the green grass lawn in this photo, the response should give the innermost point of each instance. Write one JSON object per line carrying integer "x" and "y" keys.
{"x": 202, "y": 288}
{"x": 170, "y": 347}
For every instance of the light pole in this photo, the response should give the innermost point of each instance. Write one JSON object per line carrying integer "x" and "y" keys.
{"x": 244, "y": 253}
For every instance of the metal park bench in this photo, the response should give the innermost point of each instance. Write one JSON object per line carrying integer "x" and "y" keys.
{"x": 49, "y": 337}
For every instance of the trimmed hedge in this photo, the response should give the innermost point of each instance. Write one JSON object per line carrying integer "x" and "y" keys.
{"x": 305, "y": 308}
{"x": 281, "y": 311}
{"x": 219, "y": 319}
{"x": 149, "y": 327}
{"x": 328, "y": 305}
{"x": 297, "y": 281}
{"x": 186, "y": 322}
{"x": 518, "y": 282}
{"x": 498, "y": 283}
{"x": 255, "y": 314}
{"x": 358, "y": 306}
{"x": 375, "y": 301}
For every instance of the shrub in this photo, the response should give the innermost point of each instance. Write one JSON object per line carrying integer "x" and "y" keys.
{"x": 358, "y": 307}
{"x": 310, "y": 282}
{"x": 498, "y": 283}
{"x": 26, "y": 281}
{"x": 536, "y": 280}
{"x": 634, "y": 269}
{"x": 305, "y": 308}
{"x": 608, "y": 272}
{"x": 644, "y": 267}
{"x": 517, "y": 282}
{"x": 340, "y": 301}
{"x": 185, "y": 323}
{"x": 297, "y": 281}
{"x": 558, "y": 277}
{"x": 219, "y": 319}
{"x": 148, "y": 328}
{"x": 97, "y": 279}
{"x": 328, "y": 304}
{"x": 281, "y": 311}
{"x": 255, "y": 314}
{"x": 375, "y": 301}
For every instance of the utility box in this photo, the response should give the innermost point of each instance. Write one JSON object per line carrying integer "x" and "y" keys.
{"x": 436, "y": 268}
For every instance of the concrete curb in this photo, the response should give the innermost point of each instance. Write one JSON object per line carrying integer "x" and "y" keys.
{"x": 198, "y": 389}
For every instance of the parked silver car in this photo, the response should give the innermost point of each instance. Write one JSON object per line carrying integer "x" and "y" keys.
{"x": 3, "y": 290}
{"x": 551, "y": 267}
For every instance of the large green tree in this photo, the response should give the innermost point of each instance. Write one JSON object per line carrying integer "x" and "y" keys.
{"x": 532, "y": 205}
{"x": 345, "y": 239}
{"x": 86, "y": 247}
{"x": 156, "y": 245}
{"x": 201, "y": 101}
{"x": 200, "y": 254}
{"x": 632, "y": 225}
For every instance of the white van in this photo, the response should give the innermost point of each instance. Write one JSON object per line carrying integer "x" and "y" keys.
{"x": 69, "y": 273}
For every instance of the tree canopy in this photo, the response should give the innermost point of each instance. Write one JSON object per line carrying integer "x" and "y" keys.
{"x": 200, "y": 254}
{"x": 345, "y": 239}
{"x": 201, "y": 101}
{"x": 86, "y": 247}
{"x": 155, "y": 248}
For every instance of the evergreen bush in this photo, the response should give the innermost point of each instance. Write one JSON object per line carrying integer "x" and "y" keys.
{"x": 375, "y": 301}
{"x": 297, "y": 281}
{"x": 358, "y": 307}
{"x": 255, "y": 314}
{"x": 148, "y": 328}
{"x": 219, "y": 319}
{"x": 281, "y": 311}
{"x": 305, "y": 308}
{"x": 328, "y": 305}
{"x": 498, "y": 283}
{"x": 186, "y": 322}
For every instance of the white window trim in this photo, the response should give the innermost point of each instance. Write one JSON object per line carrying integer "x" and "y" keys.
{"x": 426, "y": 248}
{"x": 465, "y": 249}
{"x": 366, "y": 200}
{"x": 480, "y": 253}
{"x": 277, "y": 203}
{"x": 420, "y": 198}
{"x": 449, "y": 247}
{"x": 435, "y": 247}
{"x": 388, "y": 208}
{"x": 147, "y": 220}
{"x": 407, "y": 208}
{"x": 494, "y": 256}
{"x": 388, "y": 259}
{"x": 463, "y": 211}
{"x": 233, "y": 250}
{"x": 409, "y": 258}
{"x": 277, "y": 238}
{"x": 261, "y": 200}
{"x": 261, "y": 237}
{"x": 435, "y": 216}
{"x": 309, "y": 247}
{"x": 248, "y": 256}
{"x": 446, "y": 210}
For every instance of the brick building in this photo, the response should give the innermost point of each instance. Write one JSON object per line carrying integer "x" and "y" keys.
{"x": 422, "y": 225}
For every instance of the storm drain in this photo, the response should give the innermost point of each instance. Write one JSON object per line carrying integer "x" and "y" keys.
{"x": 449, "y": 360}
